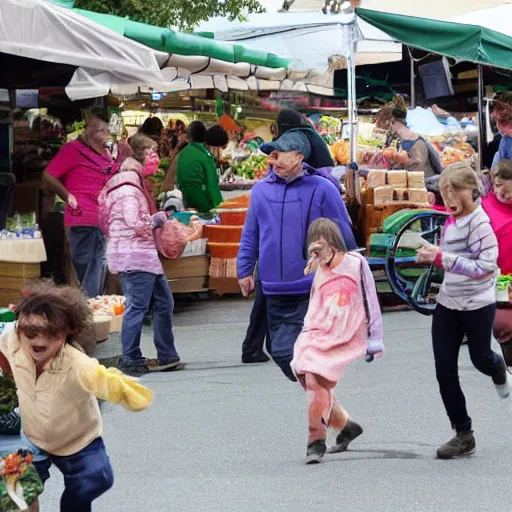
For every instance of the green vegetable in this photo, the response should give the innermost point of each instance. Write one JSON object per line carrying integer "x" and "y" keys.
{"x": 32, "y": 488}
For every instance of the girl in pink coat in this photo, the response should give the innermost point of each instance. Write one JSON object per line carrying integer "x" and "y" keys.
{"x": 343, "y": 323}
{"x": 128, "y": 219}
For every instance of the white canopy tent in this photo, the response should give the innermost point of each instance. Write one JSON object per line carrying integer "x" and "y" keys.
{"x": 309, "y": 40}
{"x": 448, "y": 8}
{"x": 314, "y": 41}
{"x": 38, "y": 29}
{"x": 197, "y": 72}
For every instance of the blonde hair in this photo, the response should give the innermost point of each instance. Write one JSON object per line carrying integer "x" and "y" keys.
{"x": 329, "y": 231}
{"x": 139, "y": 143}
{"x": 461, "y": 176}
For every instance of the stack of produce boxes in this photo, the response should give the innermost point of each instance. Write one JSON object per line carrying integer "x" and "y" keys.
{"x": 224, "y": 242}
{"x": 384, "y": 193}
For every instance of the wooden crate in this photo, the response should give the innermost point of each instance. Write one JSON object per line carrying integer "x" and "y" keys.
{"x": 224, "y": 285}
{"x": 189, "y": 284}
{"x": 23, "y": 270}
{"x": 192, "y": 266}
{"x": 9, "y": 297}
{"x": 13, "y": 276}
{"x": 372, "y": 217}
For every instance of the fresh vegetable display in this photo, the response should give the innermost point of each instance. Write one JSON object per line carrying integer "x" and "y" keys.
{"x": 8, "y": 396}
{"x": 20, "y": 484}
{"x": 254, "y": 167}
{"x": 504, "y": 289}
{"x": 21, "y": 226}
{"x": 341, "y": 152}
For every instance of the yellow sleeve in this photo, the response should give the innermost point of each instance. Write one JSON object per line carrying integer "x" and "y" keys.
{"x": 114, "y": 386}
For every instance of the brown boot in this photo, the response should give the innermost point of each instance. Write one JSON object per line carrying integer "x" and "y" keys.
{"x": 461, "y": 445}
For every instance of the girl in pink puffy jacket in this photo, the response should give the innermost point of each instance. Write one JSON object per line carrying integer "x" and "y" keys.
{"x": 128, "y": 218}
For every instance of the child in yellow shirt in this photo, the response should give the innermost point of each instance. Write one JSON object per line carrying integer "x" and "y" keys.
{"x": 58, "y": 387}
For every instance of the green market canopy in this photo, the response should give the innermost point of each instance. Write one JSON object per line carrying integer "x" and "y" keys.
{"x": 482, "y": 37}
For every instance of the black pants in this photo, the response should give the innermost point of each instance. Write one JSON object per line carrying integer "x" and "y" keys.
{"x": 285, "y": 316}
{"x": 448, "y": 329}
{"x": 257, "y": 330}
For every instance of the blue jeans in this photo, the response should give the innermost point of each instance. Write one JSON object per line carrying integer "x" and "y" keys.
{"x": 87, "y": 475}
{"x": 87, "y": 249}
{"x": 285, "y": 315}
{"x": 141, "y": 290}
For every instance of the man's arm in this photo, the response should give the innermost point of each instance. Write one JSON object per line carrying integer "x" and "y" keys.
{"x": 334, "y": 208}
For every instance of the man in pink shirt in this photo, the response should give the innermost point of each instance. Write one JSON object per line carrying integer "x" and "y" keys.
{"x": 77, "y": 174}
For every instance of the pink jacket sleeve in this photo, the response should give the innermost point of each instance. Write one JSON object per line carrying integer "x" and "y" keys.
{"x": 136, "y": 213}
{"x": 375, "y": 323}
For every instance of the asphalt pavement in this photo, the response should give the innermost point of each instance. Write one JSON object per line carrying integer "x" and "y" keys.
{"x": 226, "y": 437}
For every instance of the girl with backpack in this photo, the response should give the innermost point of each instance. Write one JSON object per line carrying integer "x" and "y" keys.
{"x": 128, "y": 218}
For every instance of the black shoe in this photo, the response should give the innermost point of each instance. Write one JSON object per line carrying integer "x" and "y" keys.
{"x": 351, "y": 431}
{"x": 134, "y": 370}
{"x": 316, "y": 450}
{"x": 258, "y": 358}
{"x": 462, "y": 444}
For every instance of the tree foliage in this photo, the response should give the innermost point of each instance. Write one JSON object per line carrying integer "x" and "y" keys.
{"x": 183, "y": 14}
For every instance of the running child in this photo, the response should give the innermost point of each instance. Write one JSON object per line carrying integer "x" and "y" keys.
{"x": 58, "y": 387}
{"x": 343, "y": 323}
{"x": 466, "y": 303}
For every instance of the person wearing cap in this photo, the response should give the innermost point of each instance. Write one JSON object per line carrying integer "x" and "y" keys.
{"x": 320, "y": 163}
{"x": 283, "y": 206}
{"x": 196, "y": 172}
{"x": 291, "y": 120}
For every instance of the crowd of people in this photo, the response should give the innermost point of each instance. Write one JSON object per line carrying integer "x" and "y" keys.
{"x": 316, "y": 301}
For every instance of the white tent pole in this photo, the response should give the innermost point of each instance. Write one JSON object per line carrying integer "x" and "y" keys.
{"x": 350, "y": 37}
{"x": 352, "y": 102}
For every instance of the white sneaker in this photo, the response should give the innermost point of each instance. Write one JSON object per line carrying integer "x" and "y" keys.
{"x": 503, "y": 390}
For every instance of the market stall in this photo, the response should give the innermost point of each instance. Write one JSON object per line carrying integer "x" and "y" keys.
{"x": 21, "y": 253}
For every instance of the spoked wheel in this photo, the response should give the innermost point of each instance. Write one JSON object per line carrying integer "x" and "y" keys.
{"x": 416, "y": 284}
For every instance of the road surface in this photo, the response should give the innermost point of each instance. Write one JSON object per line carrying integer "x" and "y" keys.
{"x": 226, "y": 437}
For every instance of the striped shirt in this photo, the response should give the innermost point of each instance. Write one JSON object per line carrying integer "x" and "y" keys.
{"x": 469, "y": 253}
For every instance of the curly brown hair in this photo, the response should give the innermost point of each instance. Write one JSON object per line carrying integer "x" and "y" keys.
{"x": 64, "y": 309}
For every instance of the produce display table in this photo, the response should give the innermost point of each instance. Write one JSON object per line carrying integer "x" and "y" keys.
{"x": 20, "y": 262}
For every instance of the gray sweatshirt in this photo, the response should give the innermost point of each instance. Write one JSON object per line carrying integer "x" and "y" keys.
{"x": 469, "y": 253}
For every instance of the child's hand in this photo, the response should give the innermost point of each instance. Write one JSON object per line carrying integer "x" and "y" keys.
{"x": 427, "y": 255}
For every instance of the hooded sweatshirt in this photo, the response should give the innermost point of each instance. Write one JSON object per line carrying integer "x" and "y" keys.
{"x": 276, "y": 227}
{"x": 500, "y": 215}
{"x": 125, "y": 219}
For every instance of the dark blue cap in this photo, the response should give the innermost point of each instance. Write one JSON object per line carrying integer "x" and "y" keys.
{"x": 290, "y": 141}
